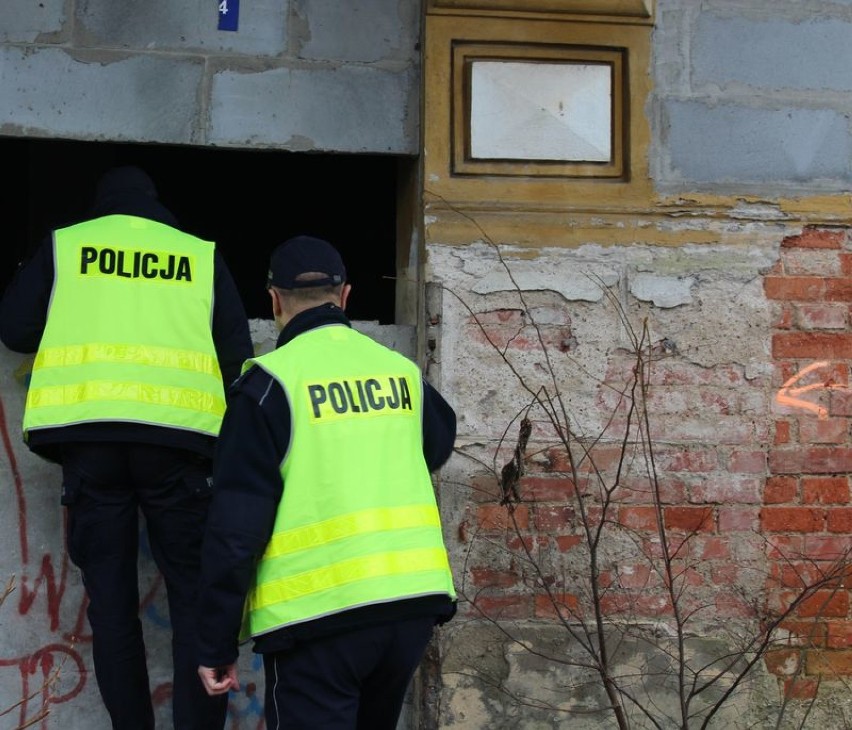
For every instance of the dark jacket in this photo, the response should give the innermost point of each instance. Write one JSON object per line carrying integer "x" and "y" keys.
{"x": 23, "y": 314}
{"x": 247, "y": 487}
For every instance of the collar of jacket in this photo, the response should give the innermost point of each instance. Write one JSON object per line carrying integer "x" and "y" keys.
{"x": 310, "y": 319}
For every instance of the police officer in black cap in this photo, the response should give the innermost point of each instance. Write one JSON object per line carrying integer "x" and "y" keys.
{"x": 137, "y": 326}
{"x": 324, "y": 524}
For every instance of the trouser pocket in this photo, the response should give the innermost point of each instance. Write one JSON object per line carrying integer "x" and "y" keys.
{"x": 198, "y": 484}
{"x": 70, "y": 488}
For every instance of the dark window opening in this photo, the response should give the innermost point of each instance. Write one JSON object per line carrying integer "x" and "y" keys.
{"x": 246, "y": 201}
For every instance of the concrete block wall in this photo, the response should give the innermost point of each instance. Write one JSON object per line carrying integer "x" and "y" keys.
{"x": 762, "y": 86}
{"x": 297, "y": 75}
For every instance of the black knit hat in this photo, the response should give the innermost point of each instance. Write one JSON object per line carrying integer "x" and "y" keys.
{"x": 130, "y": 178}
{"x": 303, "y": 255}
{"x": 129, "y": 190}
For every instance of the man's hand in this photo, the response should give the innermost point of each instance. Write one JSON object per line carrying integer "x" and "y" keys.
{"x": 218, "y": 680}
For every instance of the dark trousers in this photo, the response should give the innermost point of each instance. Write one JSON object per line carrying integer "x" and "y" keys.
{"x": 104, "y": 488}
{"x": 356, "y": 679}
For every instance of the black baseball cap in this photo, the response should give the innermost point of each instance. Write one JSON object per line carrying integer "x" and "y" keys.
{"x": 302, "y": 255}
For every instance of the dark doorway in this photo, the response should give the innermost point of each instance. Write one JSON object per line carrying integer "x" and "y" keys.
{"x": 246, "y": 201}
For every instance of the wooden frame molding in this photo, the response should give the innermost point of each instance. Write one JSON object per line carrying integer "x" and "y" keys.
{"x": 454, "y": 178}
{"x": 466, "y": 54}
{"x": 623, "y": 9}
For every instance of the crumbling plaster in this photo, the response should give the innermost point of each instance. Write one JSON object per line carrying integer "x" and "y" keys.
{"x": 706, "y": 302}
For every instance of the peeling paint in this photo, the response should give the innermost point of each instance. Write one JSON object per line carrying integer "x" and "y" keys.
{"x": 663, "y": 291}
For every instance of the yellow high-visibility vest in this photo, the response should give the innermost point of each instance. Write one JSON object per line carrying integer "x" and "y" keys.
{"x": 128, "y": 335}
{"x": 358, "y": 522}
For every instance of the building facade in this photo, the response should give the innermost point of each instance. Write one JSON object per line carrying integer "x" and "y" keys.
{"x": 620, "y": 240}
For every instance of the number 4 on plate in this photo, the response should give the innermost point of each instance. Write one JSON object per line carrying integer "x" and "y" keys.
{"x": 229, "y": 14}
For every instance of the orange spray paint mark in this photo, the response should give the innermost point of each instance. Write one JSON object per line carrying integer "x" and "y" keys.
{"x": 788, "y": 394}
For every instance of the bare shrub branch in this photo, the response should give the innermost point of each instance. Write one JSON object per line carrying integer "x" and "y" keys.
{"x": 588, "y": 594}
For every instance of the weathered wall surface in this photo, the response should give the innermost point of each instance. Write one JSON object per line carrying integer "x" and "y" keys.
{"x": 737, "y": 261}
{"x": 752, "y": 489}
{"x": 45, "y": 635}
{"x": 752, "y": 97}
{"x": 296, "y": 75}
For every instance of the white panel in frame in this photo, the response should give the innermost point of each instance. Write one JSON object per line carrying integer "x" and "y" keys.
{"x": 525, "y": 110}
{"x": 544, "y": 110}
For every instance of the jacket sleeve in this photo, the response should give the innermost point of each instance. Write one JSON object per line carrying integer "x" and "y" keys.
{"x": 439, "y": 428}
{"x": 23, "y": 309}
{"x": 246, "y": 490}
{"x": 231, "y": 334}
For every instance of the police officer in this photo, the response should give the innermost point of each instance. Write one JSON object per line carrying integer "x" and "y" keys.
{"x": 324, "y": 521}
{"x": 137, "y": 327}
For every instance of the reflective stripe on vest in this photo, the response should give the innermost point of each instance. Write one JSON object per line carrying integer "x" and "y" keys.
{"x": 128, "y": 335}
{"x": 358, "y": 522}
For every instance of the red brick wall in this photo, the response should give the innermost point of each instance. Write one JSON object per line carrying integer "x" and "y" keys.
{"x": 745, "y": 466}
{"x": 807, "y": 513}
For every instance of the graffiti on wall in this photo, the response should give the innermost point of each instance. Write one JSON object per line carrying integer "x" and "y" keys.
{"x": 57, "y": 670}
{"x": 791, "y": 393}
{"x": 37, "y": 668}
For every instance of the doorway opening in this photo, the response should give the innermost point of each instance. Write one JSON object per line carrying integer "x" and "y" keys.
{"x": 245, "y": 201}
